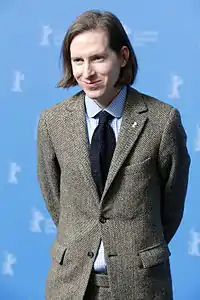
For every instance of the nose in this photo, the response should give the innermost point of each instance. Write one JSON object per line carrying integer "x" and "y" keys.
{"x": 88, "y": 70}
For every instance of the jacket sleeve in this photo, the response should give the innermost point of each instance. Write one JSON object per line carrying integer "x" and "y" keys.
{"x": 174, "y": 164}
{"x": 48, "y": 170}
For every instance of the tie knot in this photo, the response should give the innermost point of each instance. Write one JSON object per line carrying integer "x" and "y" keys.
{"x": 104, "y": 117}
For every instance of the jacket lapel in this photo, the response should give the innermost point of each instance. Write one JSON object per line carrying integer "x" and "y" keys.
{"x": 133, "y": 121}
{"x": 76, "y": 123}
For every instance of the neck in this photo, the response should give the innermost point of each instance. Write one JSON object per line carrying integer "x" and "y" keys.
{"x": 105, "y": 102}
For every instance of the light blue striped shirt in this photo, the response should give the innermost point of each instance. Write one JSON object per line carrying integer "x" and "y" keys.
{"x": 115, "y": 108}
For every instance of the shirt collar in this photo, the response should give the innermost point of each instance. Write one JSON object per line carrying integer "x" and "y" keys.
{"x": 115, "y": 108}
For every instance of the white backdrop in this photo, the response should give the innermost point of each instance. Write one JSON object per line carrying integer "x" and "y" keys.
{"x": 166, "y": 39}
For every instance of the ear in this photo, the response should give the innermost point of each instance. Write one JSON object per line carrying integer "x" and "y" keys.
{"x": 124, "y": 53}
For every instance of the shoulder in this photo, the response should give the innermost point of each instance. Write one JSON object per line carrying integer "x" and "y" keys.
{"x": 156, "y": 105}
{"x": 60, "y": 108}
{"x": 158, "y": 110}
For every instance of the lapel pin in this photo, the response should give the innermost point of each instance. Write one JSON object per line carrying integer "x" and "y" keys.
{"x": 134, "y": 124}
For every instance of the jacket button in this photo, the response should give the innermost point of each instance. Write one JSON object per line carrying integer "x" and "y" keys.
{"x": 102, "y": 220}
{"x": 90, "y": 254}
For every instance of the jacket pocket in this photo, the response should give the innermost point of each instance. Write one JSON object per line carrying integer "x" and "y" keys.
{"x": 154, "y": 255}
{"x": 143, "y": 167}
{"x": 58, "y": 252}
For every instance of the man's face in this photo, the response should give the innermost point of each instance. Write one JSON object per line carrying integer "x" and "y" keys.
{"x": 95, "y": 66}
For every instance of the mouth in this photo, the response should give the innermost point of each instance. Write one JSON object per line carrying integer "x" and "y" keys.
{"x": 92, "y": 83}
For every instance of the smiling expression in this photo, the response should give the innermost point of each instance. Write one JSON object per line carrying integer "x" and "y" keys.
{"x": 95, "y": 66}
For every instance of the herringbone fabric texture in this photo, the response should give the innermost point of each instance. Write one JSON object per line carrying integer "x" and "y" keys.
{"x": 139, "y": 211}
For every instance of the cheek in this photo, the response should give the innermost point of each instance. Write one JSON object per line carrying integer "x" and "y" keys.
{"x": 76, "y": 70}
{"x": 104, "y": 68}
{"x": 110, "y": 71}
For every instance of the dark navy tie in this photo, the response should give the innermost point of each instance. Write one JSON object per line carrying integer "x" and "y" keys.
{"x": 101, "y": 151}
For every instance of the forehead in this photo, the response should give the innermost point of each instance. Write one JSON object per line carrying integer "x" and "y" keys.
{"x": 90, "y": 42}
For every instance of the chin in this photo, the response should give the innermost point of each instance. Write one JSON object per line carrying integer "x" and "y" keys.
{"x": 94, "y": 94}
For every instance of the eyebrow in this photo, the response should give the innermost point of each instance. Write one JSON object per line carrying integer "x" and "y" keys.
{"x": 92, "y": 56}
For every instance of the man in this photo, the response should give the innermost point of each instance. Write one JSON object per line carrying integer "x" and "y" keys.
{"x": 113, "y": 170}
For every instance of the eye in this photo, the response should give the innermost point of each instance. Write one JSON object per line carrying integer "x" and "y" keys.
{"x": 77, "y": 60}
{"x": 99, "y": 58}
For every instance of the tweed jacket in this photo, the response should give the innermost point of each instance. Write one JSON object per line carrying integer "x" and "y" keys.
{"x": 140, "y": 209}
